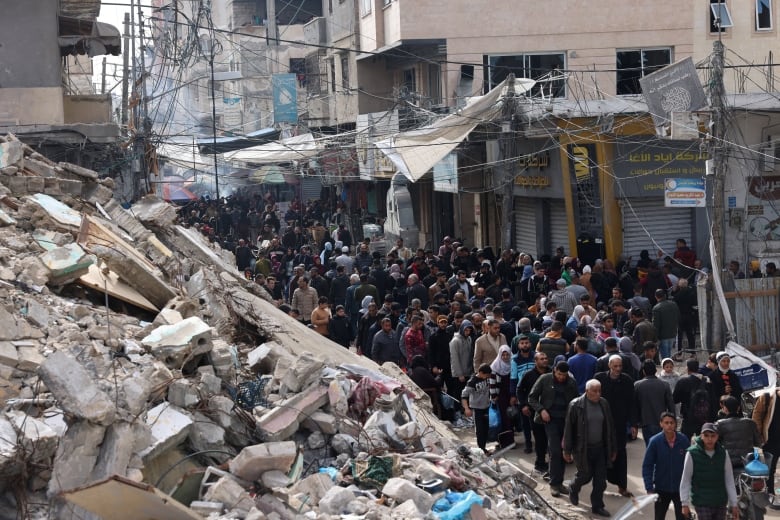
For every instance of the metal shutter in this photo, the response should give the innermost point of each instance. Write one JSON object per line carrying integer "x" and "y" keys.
{"x": 525, "y": 226}
{"x": 311, "y": 188}
{"x": 559, "y": 226}
{"x": 664, "y": 225}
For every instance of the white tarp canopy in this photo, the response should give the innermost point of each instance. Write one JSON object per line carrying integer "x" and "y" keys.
{"x": 415, "y": 152}
{"x": 298, "y": 148}
{"x": 184, "y": 154}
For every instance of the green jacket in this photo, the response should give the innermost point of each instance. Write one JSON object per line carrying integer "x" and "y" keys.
{"x": 708, "y": 483}
{"x": 542, "y": 394}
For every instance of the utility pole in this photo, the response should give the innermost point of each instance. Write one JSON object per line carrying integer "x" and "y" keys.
{"x": 718, "y": 158}
{"x": 271, "y": 33}
{"x": 103, "y": 78}
{"x": 214, "y": 120}
{"x": 506, "y": 157}
{"x": 125, "y": 68}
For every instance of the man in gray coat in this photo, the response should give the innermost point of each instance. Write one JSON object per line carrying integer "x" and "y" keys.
{"x": 589, "y": 440}
{"x": 651, "y": 398}
{"x": 666, "y": 319}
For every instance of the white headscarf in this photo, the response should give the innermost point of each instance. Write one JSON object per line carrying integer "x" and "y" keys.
{"x": 499, "y": 366}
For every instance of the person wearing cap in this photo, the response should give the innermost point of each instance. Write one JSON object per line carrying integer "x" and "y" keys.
{"x": 666, "y": 319}
{"x": 662, "y": 466}
{"x": 563, "y": 299}
{"x": 549, "y": 398}
{"x": 724, "y": 380}
{"x": 344, "y": 259}
{"x": 651, "y": 397}
{"x": 589, "y": 441}
{"x": 707, "y": 481}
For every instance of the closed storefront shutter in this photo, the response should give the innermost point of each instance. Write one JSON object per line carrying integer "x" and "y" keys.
{"x": 558, "y": 227}
{"x": 525, "y": 226}
{"x": 652, "y": 226}
{"x": 311, "y": 188}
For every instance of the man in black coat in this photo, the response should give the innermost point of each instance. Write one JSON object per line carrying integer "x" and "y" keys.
{"x": 618, "y": 389}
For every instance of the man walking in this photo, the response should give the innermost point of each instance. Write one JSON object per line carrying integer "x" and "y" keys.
{"x": 522, "y": 362}
{"x": 588, "y": 439}
{"x": 707, "y": 480}
{"x": 666, "y": 320}
{"x": 476, "y": 400}
{"x": 693, "y": 392}
{"x": 662, "y": 466}
{"x": 541, "y": 367}
{"x": 652, "y": 397}
{"x": 550, "y": 397}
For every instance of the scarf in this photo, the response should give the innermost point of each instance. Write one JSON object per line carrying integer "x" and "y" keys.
{"x": 499, "y": 366}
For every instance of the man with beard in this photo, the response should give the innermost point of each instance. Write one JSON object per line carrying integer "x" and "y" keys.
{"x": 522, "y": 362}
{"x": 486, "y": 347}
{"x": 550, "y": 398}
{"x": 618, "y": 389}
{"x": 461, "y": 356}
{"x": 524, "y": 386}
{"x": 439, "y": 350}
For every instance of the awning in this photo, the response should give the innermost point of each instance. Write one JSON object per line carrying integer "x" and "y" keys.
{"x": 184, "y": 154}
{"x": 229, "y": 144}
{"x": 301, "y": 147}
{"x": 415, "y": 152}
{"x": 93, "y": 38}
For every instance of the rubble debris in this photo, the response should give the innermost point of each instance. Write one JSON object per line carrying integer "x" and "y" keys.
{"x": 134, "y": 356}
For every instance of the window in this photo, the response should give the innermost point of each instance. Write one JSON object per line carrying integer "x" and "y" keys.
{"x": 546, "y": 69}
{"x": 763, "y": 15}
{"x": 345, "y": 71}
{"x": 720, "y": 16}
{"x": 365, "y": 7}
{"x": 409, "y": 83}
{"x": 332, "y": 67}
{"x": 634, "y": 64}
{"x": 434, "y": 83}
{"x": 298, "y": 67}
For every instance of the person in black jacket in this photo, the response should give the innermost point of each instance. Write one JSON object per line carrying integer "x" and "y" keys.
{"x": 541, "y": 366}
{"x": 724, "y": 380}
{"x": 339, "y": 328}
{"x": 439, "y": 350}
{"x": 618, "y": 389}
{"x": 685, "y": 391}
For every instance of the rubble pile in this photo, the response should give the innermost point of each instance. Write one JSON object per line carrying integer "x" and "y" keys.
{"x": 137, "y": 364}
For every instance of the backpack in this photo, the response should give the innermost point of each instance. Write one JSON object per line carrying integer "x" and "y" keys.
{"x": 699, "y": 408}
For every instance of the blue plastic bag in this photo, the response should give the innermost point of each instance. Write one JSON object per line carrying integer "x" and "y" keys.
{"x": 460, "y": 505}
{"x": 494, "y": 423}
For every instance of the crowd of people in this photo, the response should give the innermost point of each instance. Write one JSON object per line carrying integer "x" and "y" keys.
{"x": 578, "y": 359}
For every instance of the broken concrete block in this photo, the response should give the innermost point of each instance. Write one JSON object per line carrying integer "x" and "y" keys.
{"x": 281, "y": 422}
{"x": 221, "y": 358}
{"x": 39, "y": 168}
{"x": 228, "y": 491}
{"x": 255, "y": 460}
{"x": 316, "y": 440}
{"x": 6, "y": 219}
{"x": 321, "y": 422}
{"x": 305, "y": 371}
{"x": 183, "y": 394}
{"x": 39, "y": 441}
{"x": 154, "y": 212}
{"x": 275, "y": 479}
{"x": 167, "y": 317}
{"x": 66, "y": 264}
{"x": 205, "y": 509}
{"x": 115, "y": 451}
{"x": 343, "y": 443}
{"x": 207, "y": 435}
{"x": 135, "y": 393}
{"x": 401, "y": 489}
{"x": 55, "y": 215}
{"x": 74, "y": 389}
{"x": 8, "y": 355}
{"x": 314, "y": 487}
{"x": 179, "y": 343}
{"x": 407, "y": 511}
{"x": 79, "y": 171}
{"x": 11, "y": 154}
{"x": 37, "y": 314}
{"x": 76, "y": 456}
{"x": 336, "y": 499}
{"x": 257, "y": 355}
{"x": 209, "y": 384}
{"x": 170, "y": 427}
{"x": 70, "y": 187}
{"x": 29, "y": 358}
{"x": 9, "y": 465}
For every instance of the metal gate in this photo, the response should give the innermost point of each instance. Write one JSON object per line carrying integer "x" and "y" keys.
{"x": 647, "y": 224}
{"x": 558, "y": 226}
{"x": 525, "y": 226}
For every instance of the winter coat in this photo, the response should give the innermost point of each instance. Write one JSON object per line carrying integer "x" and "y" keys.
{"x": 575, "y": 432}
{"x": 738, "y": 435}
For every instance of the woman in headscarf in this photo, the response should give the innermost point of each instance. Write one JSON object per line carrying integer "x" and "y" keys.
{"x": 501, "y": 367}
{"x": 327, "y": 251}
{"x": 574, "y": 320}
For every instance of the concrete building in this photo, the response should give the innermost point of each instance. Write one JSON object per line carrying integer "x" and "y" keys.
{"x": 47, "y": 102}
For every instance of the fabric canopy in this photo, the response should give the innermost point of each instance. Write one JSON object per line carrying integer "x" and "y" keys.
{"x": 415, "y": 152}
{"x": 301, "y": 147}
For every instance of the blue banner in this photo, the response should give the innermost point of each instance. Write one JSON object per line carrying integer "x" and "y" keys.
{"x": 285, "y": 88}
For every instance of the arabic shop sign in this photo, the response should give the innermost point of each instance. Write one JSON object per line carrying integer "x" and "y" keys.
{"x": 641, "y": 167}
{"x": 538, "y": 170}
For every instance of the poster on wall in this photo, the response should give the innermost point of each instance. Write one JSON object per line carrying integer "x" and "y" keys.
{"x": 763, "y": 208}
{"x": 689, "y": 193}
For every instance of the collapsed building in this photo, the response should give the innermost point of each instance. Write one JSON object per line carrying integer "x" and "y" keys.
{"x": 142, "y": 376}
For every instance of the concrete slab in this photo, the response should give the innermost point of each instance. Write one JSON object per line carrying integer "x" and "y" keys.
{"x": 30, "y": 358}
{"x": 170, "y": 427}
{"x": 9, "y": 465}
{"x": 228, "y": 491}
{"x": 335, "y": 500}
{"x": 66, "y": 264}
{"x": 401, "y": 489}
{"x": 283, "y": 421}
{"x": 115, "y": 451}
{"x": 76, "y": 456}
{"x": 176, "y": 344}
{"x": 75, "y": 390}
{"x": 11, "y": 154}
{"x": 255, "y": 460}
{"x": 313, "y": 487}
{"x": 8, "y": 354}
{"x": 62, "y": 216}
{"x": 110, "y": 282}
{"x": 305, "y": 370}
{"x": 37, "y": 314}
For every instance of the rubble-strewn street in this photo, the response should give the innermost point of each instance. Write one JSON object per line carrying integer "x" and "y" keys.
{"x": 136, "y": 363}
